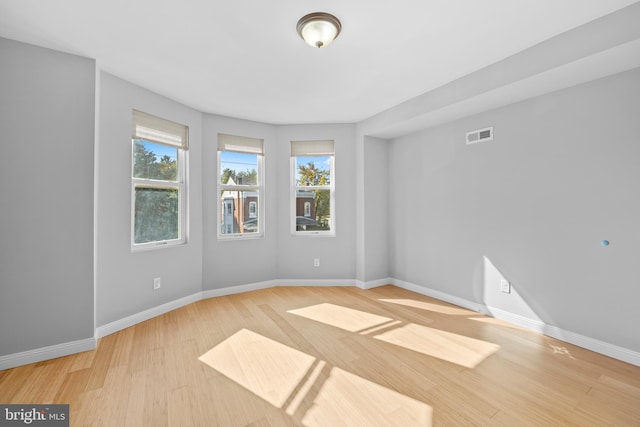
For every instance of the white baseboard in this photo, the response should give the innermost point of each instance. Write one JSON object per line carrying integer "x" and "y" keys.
{"x": 583, "y": 341}
{"x": 461, "y": 302}
{"x": 46, "y": 353}
{"x": 118, "y": 325}
{"x": 212, "y": 293}
{"x": 59, "y": 350}
{"x": 315, "y": 282}
{"x": 526, "y": 322}
{"x": 134, "y": 319}
{"x": 535, "y": 325}
{"x": 374, "y": 283}
{"x": 592, "y": 344}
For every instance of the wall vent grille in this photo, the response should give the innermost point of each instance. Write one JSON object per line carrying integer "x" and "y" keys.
{"x": 480, "y": 135}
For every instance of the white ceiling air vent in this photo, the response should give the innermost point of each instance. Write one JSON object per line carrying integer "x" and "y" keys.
{"x": 480, "y": 135}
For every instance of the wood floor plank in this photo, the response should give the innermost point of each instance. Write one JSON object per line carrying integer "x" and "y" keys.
{"x": 80, "y": 361}
{"x": 123, "y": 347}
{"x": 135, "y": 397}
{"x": 33, "y": 389}
{"x": 102, "y": 361}
{"x": 337, "y": 355}
{"x": 178, "y": 411}
{"x": 74, "y": 384}
{"x": 13, "y": 381}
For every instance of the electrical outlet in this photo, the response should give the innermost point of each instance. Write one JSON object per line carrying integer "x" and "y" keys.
{"x": 156, "y": 284}
{"x": 316, "y": 262}
{"x": 505, "y": 286}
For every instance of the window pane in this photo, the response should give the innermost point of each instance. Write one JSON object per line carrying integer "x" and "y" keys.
{"x": 238, "y": 168}
{"x": 316, "y": 204}
{"x": 239, "y": 212}
{"x": 313, "y": 170}
{"x": 156, "y": 214}
{"x": 154, "y": 161}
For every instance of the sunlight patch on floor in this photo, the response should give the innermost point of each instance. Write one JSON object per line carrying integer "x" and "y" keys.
{"x": 265, "y": 367}
{"x": 464, "y": 351}
{"x": 349, "y": 400}
{"x": 379, "y": 328}
{"x": 455, "y": 348}
{"x": 341, "y": 317}
{"x": 561, "y": 350}
{"x": 438, "y": 308}
{"x": 280, "y": 374}
{"x": 304, "y": 389}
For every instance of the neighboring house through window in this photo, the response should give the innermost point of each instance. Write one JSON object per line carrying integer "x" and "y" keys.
{"x": 240, "y": 186}
{"x": 158, "y": 182}
{"x": 312, "y": 188}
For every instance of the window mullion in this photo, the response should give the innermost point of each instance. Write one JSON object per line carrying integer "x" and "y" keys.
{"x": 227, "y": 187}
{"x": 313, "y": 187}
{"x": 157, "y": 184}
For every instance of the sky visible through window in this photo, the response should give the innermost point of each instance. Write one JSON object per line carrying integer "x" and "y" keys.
{"x": 238, "y": 162}
{"x": 160, "y": 150}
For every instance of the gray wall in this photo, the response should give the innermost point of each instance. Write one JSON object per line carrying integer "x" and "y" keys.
{"x": 47, "y": 106}
{"x": 124, "y": 278}
{"x": 337, "y": 254}
{"x": 238, "y": 262}
{"x": 560, "y": 176}
{"x": 375, "y": 250}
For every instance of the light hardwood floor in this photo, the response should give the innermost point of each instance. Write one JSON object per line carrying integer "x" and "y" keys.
{"x": 331, "y": 356}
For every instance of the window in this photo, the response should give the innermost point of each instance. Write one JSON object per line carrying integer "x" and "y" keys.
{"x": 312, "y": 188}
{"x": 158, "y": 174}
{"x": 240, "y": 186}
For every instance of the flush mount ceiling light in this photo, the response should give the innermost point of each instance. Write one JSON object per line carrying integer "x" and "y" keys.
{"x": 319, "y": 29}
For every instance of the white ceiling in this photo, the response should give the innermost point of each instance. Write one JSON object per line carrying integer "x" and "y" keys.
{"x": 244, "y": 58}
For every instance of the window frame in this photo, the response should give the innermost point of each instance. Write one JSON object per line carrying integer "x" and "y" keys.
{"x": 247, "y": 145}
{"x": 307, "y": 149}
{"x": 169, "y": 134}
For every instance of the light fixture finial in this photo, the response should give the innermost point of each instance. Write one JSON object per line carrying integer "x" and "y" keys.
{"x": 319, "y": 29}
